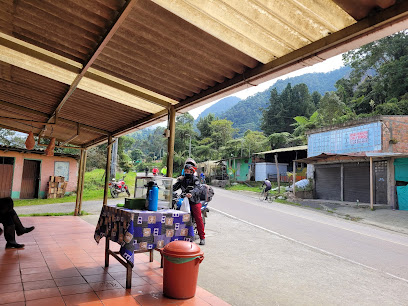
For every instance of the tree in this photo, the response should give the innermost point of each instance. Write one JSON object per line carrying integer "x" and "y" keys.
{"x": 204, "y": 126}
{"x": 11, "y": 138}
{"x": 136, "y": 155}
{"x": 331, "y": 108}
{"x": 184, "y": 130}
{"x": 278, "y": 116}
{"x": 223, "y": 132}
{"x": 255, "y": 141}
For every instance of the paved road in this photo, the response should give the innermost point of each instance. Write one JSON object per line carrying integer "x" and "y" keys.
{"x": 265, "y": 254}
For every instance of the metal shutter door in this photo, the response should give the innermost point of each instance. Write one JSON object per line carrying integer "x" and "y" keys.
{"x": 357, "y": 182}
{"x": 327, "y": 178}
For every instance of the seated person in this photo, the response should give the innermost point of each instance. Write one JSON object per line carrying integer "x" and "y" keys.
{"x": 190, "y": 181}
{"x": 11, "y": 223}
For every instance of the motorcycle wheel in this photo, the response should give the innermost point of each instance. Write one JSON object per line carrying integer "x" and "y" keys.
{"x": 128, "y": 193}
{"x": 113, "y": 193}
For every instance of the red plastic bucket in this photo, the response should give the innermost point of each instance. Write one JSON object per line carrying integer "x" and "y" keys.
{"x": 181, "y": 260}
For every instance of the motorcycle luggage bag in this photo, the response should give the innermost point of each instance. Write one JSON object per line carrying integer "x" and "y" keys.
{"x": 206, "y": 193}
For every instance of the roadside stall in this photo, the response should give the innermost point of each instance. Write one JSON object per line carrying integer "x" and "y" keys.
{"x": 144, "y": 223}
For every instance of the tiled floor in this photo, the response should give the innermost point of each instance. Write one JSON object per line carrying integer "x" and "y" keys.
{"x": 62, "y": 265}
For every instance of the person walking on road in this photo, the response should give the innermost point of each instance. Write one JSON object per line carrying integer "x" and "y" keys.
{"x": 268, "y": 186}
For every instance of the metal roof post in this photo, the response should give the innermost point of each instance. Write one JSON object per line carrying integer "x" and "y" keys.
{"x": 107, "y": 170}
{"x": 170, "y": 142}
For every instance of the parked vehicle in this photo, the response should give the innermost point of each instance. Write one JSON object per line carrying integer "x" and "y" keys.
{"x": 117, "y": 187}
{"x": 176, "y": 204}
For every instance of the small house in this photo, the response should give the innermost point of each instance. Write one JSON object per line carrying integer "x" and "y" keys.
{"x": 24, "y": 174}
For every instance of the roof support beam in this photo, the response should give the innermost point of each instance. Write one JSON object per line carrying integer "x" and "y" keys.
{"x": 37, "y": 113}
{"x": 372, "y": 28}
{"x": 37, "y": 60}
{"x": 115, "y": 26}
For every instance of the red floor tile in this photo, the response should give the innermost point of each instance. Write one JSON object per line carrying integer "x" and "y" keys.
{"x": 75, "y": 289}
{"x": 83, "y": 299}
{"x": 15, "y": 304}
{"x": 41, "y": 293}
{"x": 36, "y": 277}
{"x": 195, "y": 301}
{"x": 9, "y": 279}
{"x": 62, "y": 264}
{"x": 49, "y": 283}
{"x": 52, "y": 301}
{"x": 71, "y": 272}
{"x": 116, "y": 297}
{"x": 154, "y": 299}
{"x": 11, "y": 297}
{"x": 91, "y": 271}
{"x": 33, "y": 270}
{"x": 142, "y": 290}
{"x": 98, "y": 278}
{"x": 76, "y": 280}
{"x": 107, "y": 285}
{"x": 136, "y": 282}
{"x": 11, "y": 288}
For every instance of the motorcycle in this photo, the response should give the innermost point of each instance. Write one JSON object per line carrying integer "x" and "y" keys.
{"x": 176, "y": 204}
{"x": 117, "y": 187}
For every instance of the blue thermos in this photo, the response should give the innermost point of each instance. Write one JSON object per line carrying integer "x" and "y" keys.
{"x": 153, "y": 197}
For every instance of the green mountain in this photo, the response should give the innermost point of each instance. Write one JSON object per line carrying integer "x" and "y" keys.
{"x": 219, "y": 107}
{"x": 247, "y": 113}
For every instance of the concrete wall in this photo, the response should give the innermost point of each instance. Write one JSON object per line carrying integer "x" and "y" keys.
{"x": 47, "y": 168}
{"x": 262, "y": 170}
{"x": 356, "y": 139}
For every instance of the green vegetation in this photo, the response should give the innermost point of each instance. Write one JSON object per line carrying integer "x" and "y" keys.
{"x": 256, "y": 187}
{"x": 83, "y": 213}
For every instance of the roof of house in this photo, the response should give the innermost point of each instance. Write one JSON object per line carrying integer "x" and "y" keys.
{"x": 40, "y": 152}
{"x": 297, "y": 148}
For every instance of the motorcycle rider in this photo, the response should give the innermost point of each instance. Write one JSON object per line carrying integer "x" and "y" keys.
{"x": 190, "y": 181}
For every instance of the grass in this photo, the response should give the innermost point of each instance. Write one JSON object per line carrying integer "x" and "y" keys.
{"x": 256, "y": 187}
{"x": 83, "y": 213}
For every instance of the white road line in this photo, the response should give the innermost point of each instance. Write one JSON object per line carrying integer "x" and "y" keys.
{"x": 308, "y": 245}
{"x": 329, "y": 224}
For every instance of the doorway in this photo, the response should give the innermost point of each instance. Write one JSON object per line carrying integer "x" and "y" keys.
{"x": 31, "y": 179}
{"x": 6, "y": 176}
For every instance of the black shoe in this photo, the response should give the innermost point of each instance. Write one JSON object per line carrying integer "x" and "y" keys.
{"x": 11, "y": 245}
{"x": 26, "y": 230}
{"x": 202, "y": 241}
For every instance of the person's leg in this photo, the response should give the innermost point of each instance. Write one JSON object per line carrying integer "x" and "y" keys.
{"x": 20, "y": 229}
{"x": 10, "y": 232}
{"x": 196, "y": 211}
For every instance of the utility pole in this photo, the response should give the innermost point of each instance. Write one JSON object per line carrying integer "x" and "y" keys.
{"x": 189, "y": 148}
{"x": 114, "y": 160}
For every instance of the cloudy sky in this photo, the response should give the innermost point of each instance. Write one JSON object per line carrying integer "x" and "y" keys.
{"x": 326, "y": 66}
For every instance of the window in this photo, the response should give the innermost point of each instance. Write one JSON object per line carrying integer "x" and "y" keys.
{"x": 62, "y": 169}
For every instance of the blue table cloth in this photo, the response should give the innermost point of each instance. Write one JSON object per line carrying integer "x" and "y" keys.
{"x": 142, "y": 230}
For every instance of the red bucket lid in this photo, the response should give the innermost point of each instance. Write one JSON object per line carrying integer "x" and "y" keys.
{"x": 181, "y": 248}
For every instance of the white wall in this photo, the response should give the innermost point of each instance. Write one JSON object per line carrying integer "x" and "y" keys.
{"x": 262, "y": 170}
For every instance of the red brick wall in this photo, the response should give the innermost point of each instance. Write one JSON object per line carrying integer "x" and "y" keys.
{"x": 395, "y": 134}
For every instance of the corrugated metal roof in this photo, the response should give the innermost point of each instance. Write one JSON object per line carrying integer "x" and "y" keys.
{"x": 115, "y": 65}
{"x": 298, "y": 148}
